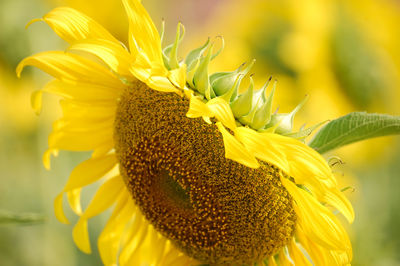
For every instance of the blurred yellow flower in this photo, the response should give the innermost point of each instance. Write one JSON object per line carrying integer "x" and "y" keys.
{"x": 197, "y": 173}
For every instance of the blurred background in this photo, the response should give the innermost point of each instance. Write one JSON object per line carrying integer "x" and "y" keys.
{"x": 344, "y": 54}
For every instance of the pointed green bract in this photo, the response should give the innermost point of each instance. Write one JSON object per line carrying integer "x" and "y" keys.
{"x": 195, "y": 55}
{"x": 232, "y": 92}
{"x": 304, "y": 133}
{"x": 263, "y": 115}
{"x": 170, "y": 52}
{"x": 251, "y": 108}
{"x": 173, "y": 58}
{"x": 285, "y": 121}
{"x": 244, "y": 102}
{"x": 200, "y": 79}
{"x": 352, "y": 128}
{"x": 256, "y": 101}
{"x": 223, "y": 81}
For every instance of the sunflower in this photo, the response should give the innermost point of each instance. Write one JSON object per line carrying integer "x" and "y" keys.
{"x": 196, "y": 172}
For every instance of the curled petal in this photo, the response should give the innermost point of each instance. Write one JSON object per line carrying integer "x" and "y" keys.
{"x": 105, "y": 196}
{"x": 178, "y": 76}
{"x": 316, "y": 220}
{"x": 235, "y": 150}
{"x": 83, "y": 92}
{"x": 223, "y": 112}
{"x": 197, "y": 108}
{"x": 90, "y": 171}
{"x": 142, "y": 31}
{"x": 71, "y": 68}
{"x": 112, "y": 53}
{"x": 163, "y": 84}
{"x": 72, "y": 25}
{"x": 80, "y": 235}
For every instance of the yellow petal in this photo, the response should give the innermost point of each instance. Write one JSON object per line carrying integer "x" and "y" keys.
{"x": 140, "y": 73}
{"x": 181, "y": 260}
{"x": 283, "y": 259}
{"x": 85, "y": 140}
{"x": 316, "y": 220}
{"x": 324, "y": 189}
{"x": 148, "y": 251}
{"x": 163, "y": 84}
{"x": 297, "y": 256}
{"x": 341, "y": 258}
{"x": 59, "y": 210}
{"x": 103, "y": 150}
{"x": 262, "y": 147}
{"x": 307, "y": 158}
{"x": 143, "y": 61}
{"x": 90, "y": 112}
{"x": 142, "y": 31}
{"x": 235, "y": 150}
{"x": 81, "y": 124}
{"x": 110, "y": 238}
{"x": 105, "y": 196}
{"x": 223, "y": 112}
{"x": 197, "y": 108}
{"x": 85, "y": 173}
{"x": 336, "y": 198}
{"x": 90, "y": 171}
{"x": 178, "y": 76}
{"x": 74, "y": 200}
{"x": 112, "y": 53}
{"x": 36, "y": 101}
{"x": 299, "y": 161}
{"x": 172, "y": 254}
{"x": 80, "y": 235}
{"x": 315, "y": 251}
{"x": 72, "y": 25}
{"x": 271, "y": 261}
{"x": 161, "y": 243}
{"x": 136, "y": 237}
{"x": 158, "y": 69}
{"x": 72, "y": 68}
{"x": 319, "y": 254}
{"x": 47, "y": 157}
{"x": 89, "y": 93}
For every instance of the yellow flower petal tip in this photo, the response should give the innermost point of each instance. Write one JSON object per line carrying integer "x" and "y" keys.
{"x": 59, "y": 210}
{"x": 46, "y": 159}
{"x": 74, "y": 200}
{"x": 80, "y": 235}
{"x": 33, "y": 21}
{"x": 19, "y": 68}
{"x": 36, "y": 101}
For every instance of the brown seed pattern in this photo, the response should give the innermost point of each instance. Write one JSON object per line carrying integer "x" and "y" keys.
{"x": 213, "y": 209}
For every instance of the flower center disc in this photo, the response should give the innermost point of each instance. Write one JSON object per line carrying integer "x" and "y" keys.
{"x": 213, "y": 209}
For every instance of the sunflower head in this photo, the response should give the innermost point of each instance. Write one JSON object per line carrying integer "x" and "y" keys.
{"x": 199, "y": 170}
{"x": 214, "y": 209}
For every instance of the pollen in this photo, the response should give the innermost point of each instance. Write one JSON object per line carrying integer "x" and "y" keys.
{"x": 211, "y": 208}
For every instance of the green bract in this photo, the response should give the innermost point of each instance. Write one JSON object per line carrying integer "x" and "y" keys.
{"x": 252, "y": 108}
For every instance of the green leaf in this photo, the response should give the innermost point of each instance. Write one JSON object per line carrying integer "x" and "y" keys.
{"x": 7, "y": 217}
{"x": 354, "y": 127}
